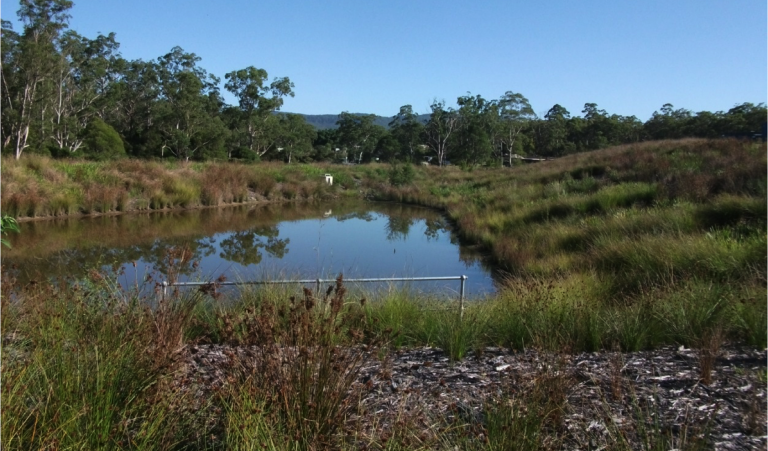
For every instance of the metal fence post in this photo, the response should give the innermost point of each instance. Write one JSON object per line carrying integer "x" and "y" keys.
{"x": 317, "y": 291}
{"x": 461, "y": 297}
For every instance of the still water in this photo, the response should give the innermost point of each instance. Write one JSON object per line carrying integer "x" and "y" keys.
{"x": 295, "y": 241}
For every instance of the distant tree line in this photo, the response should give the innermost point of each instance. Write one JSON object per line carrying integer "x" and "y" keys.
{"x": 65, "y": 95}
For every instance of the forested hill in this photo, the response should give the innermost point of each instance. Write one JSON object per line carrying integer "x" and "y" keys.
{"x": 326, "y": 121}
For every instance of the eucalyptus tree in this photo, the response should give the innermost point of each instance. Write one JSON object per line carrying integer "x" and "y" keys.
{"x": 745, "y": 119}
{"x": 669, "y": 123}
{"x": 602, "y": 130}
{"x": 442, "y": 124}
{"x": 473, "y": 135}
{"x": 358, "y": 135}
{"x": 325, "y": 145}
{"x": 630, "y": 129}
{"x": 137, "y": 107}
{"x": 407, "y": 130}
{"x": 555, "y": 136}
{"x": 236, "y": 143}
{"x": 85, "y": 72}
{"x": 9, "y": 84}
{"x": 515, "y": 114}
{"x": 705, "y": 124}
{"x": 258, "y": 101}
{"x": 30, "y": 60}
{"x": 596, "y": 130}
{"x": 189, "y": 107}
{"x": 295, "y": 137}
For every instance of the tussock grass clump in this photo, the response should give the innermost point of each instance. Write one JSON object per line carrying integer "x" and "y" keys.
{"x": 303, "y": 375}
{"x": 415, "y": 319}
{"x": 85, "y": 367}
{"x": 306, "y": 353}
{"x": 226, "y": 183}
{"x": 530, "y": 414}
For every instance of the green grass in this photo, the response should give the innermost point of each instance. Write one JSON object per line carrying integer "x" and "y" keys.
{"x": 91, "y": 366}
{"x": 88, "y": 371}
{"x": 627, "y": 248}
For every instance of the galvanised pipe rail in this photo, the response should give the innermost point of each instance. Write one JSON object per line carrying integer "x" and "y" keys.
{"x": 462, "y": 278}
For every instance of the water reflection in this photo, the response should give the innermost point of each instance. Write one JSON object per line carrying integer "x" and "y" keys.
{"x": 356, "y": 238}
{"x": 244, "y": 247}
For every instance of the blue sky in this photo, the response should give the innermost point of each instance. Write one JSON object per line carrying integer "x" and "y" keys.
{"x": 629, "y": 57}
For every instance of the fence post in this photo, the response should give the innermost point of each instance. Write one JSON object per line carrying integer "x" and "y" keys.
{"x": 461, "y": 297}
{"x": 317, "y": 291}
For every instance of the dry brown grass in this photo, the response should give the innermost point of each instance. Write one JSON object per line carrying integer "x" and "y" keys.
{"x": 33, "y": 186}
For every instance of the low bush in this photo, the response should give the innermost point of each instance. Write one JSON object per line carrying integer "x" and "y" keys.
{"x": 401, "y": 174}
{"x": 102, "y": 142}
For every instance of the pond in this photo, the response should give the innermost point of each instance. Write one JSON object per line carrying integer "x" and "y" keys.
{"x": 268, "y": 242}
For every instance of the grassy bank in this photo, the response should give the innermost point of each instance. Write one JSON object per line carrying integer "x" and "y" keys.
{"x": 35, "y": 187}
{"x": 626, "y": 248}
{"x": 621, "y": 227}
{"x": 676, "y": 227}
{"x": 615, "y": 235}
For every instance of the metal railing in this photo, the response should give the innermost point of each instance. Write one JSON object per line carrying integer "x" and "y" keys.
{"x": 462, "y": 278}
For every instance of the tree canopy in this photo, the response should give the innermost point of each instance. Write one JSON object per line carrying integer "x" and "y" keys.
{"x": 63, "y": 94}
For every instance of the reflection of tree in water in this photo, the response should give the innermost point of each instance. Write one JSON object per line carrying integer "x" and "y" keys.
{"x": 474, "y": 255}
{"x": 469, "y": 256}
{"x": 119, "y": 241}
{"x": 398, "y": 227}
{"x": 364, "y": 215}
{"x": 434, "y": 227}
{"x": 75, "y": 262}
{"x": 245, "y": 246}
{"x": 197, "y": 249}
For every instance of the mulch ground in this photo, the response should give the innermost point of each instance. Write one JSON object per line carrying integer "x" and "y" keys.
{"x": 609, "y": 397}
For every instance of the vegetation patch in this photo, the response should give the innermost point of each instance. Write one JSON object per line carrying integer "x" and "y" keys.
{"x": 658, "y": 251}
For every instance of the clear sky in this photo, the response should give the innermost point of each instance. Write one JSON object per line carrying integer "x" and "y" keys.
{"x": 629, "y": 57}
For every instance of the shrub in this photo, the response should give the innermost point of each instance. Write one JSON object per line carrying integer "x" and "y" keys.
{"x": 102, "y": 142}
{"x": 401, "y": 174}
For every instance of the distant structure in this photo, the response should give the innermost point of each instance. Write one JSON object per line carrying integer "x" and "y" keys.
{"x": 532, "y": 159}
